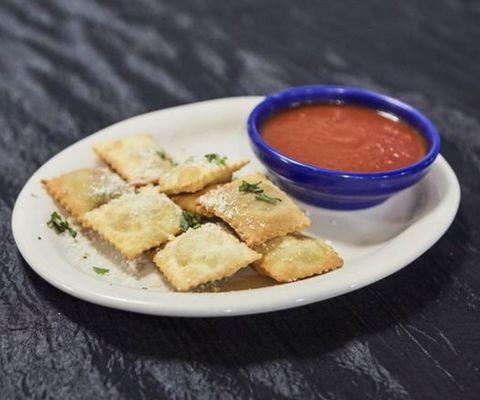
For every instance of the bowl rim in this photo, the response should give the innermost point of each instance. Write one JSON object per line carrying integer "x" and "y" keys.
{"x": 389, "y": 104}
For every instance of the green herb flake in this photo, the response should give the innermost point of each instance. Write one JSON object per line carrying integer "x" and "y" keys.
{"x": 258, "y": 191}
{"x": 165, "y": 157}
{"x": 267, "y": 198}
{"x": 190, "y": 219}
{"x": 216, "y": 158}
{"x": 250, "y": 187}
{"x": 59, "y": 225}
{"x": 101, "y": 271}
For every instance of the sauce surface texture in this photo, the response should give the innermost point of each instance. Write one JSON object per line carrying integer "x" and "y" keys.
{"x": 344, "y": 138}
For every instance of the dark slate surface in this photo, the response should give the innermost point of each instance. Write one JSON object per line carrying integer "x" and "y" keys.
{"x": 69, "y": 68}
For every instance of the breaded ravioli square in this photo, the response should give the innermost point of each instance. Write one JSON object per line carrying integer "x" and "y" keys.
{"x": 188, "y": 201}
{"x": 196, "y": 173}
{"x": 84, "y": 189}
{"x": 296, "y": 256}
{"x": 139, "y": 159}
{"x": 136, "y": 222}
{"x": 257, "y": 215}
{"x": 203, "y": 255}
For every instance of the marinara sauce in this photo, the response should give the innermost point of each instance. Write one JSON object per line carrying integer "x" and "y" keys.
{"x": 344, "y": 138}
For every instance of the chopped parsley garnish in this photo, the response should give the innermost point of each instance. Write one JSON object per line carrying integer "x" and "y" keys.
{"x": 165, "y": 157}
{"x": 217, "y": 159}
{"x": 101, "y": 271}
{"x": 190, "y": 219}
{"x": 250, "y": 187}
{"x": 162, "y": 154}
{"x": 267, "y": 198}
{"x": 258, "y": 191}
{"x": 59, "y": 225}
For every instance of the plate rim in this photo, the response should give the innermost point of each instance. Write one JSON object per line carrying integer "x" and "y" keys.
{"x": 266, "y": 300}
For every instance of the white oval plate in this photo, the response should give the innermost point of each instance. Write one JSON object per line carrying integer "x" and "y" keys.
{"x": 374, "y": 243}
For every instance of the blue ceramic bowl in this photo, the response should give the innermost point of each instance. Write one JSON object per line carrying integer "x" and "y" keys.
{"x": 337, "y": 189}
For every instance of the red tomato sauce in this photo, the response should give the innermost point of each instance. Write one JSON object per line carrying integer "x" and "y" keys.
{"x": 344, "y": 138}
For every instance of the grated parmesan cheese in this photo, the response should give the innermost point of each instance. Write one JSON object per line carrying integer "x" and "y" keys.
{"x": 88, "y": 250}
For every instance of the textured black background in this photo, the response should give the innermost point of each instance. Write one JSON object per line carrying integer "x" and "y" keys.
{"x": 69, "y": 68}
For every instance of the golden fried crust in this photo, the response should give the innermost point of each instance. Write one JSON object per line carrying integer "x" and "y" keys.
{"x": 139, "y": 159}
{"x": 195, "y": 174}
{"x": 188, "y": 201}
{"x": 255, "y": 221}
{"x": 84, "y": 189}
{"x": 136, "y": 222}
{"x": 202, "y": 255}
{"x": 296, "y": 256}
